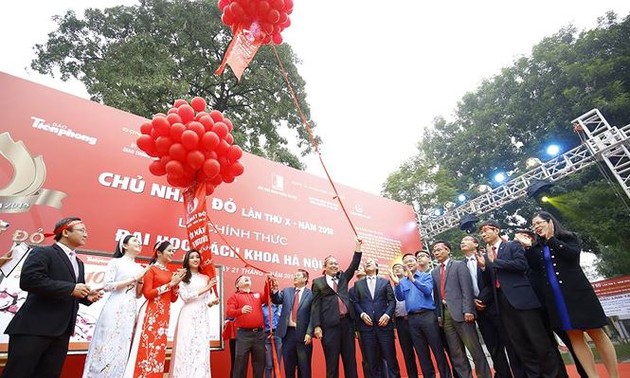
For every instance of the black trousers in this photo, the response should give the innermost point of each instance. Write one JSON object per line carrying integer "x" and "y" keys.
{"x": 249, "y": 342}
{"x": 406, "y": 345}
{"x": 529, "y": 339}
{"x": 36, "y": 356}
{"x": 339, "y": 341}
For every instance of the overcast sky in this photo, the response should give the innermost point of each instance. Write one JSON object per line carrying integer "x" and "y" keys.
{"x": 376, "y": 72}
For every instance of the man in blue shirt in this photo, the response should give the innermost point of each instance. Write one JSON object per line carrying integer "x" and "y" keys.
{"x": 276, "y": 310}
{"x": 416, "y": 289}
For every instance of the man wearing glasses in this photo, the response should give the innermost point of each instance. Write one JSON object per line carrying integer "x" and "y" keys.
{"x": 54, "y": 278}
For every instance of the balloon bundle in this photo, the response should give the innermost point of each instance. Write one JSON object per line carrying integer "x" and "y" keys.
{"x": 192, "y": 146}
{"x": 264, "y": 20}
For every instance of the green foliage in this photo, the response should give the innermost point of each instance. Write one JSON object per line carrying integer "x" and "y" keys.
{"x": 510, "y": 117}
{"x": 141, "y": 58}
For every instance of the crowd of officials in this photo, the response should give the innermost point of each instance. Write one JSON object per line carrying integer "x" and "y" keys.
{"x": 513, "y": 296}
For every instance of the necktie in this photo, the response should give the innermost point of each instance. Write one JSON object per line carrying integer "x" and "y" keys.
{"x": 296, "y": 303}
{"x": 75, "y": 264}
{"x": 343, "y": 310}
{"x": 494, "y": 257}
{"x": 442, "y": 280}
{"x": 372, "y": 285}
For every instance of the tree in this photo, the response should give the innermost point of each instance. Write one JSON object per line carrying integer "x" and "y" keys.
{"x": 141, "y": 58}
{"x": 509, "y": 117}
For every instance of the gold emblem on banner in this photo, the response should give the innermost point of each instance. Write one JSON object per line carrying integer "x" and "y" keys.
{"x": 29, "y": 173}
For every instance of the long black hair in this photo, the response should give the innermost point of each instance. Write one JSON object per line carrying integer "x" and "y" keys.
{"x": 558, "y": 228}
{"x": 187, "y": 266}
{"x": 159, "y": 247}
{"x": 120, "y": 246}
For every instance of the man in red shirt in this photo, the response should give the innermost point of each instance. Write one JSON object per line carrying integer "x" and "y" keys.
{"x": 245, "y": 307}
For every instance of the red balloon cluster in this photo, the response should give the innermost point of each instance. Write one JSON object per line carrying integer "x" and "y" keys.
{"x": 265, "y": 19}
{"x": 191, "y": 146}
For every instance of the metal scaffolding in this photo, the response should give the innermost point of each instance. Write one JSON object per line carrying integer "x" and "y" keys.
{"x": 601, "y": 142}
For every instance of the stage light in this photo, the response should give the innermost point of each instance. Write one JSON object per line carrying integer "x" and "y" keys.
{"x": 538, "y": 187}
{"x": 437, "y": 212}
{"x": 483, "y": 188}
{"x": 468, "y": 223}
{"x": 500, "y": 177}
{"x": 532, "y": 162}
{"x": 461, "y": 197}
{"x": 553, "y": 150}
{"x": 544, "y": 199}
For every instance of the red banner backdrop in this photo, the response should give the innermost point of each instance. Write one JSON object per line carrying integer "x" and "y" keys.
{"x": 64, "y": 156}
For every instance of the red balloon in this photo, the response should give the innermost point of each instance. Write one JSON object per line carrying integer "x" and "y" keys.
{"x": 171, "y": 111}
{"x": 174, "y": 118}
{"x": 266, "y": 39}
{"x": 229, "y": 138}
{"x": 209, "y": 188}
{"x": 220, "y": 129}
{"x": 234, "y": 153}
{"x": 200, "y": 114}
{"x": 277, "y": 4}
{"x": 236, "y": 169}
{"x": 146, "y": 143}
{"x": 207, "y": 122}
{"x": 162, "y": 144}
{"x": 288, "y": 6}
{"x": 222, "y": 148}
{"x": 277, "y": 38}
{"x": 216, "y": 180}
{"x": 237, "y": 10}
{"x": 216, "y": 116}
{"x": 263, "y": 7}
{"x": 227, "y": 18}
{"x": 229, "y": 124}
{"x": 146, "y": 128}
{"x": 177, "y": 152}
{"x": 176, "y": 132}
{"x": 210, "y": 155}
{"x": 223, "y": 4}
{"x": 157, "y": 168}
{"x": 190, "y": 139}
{"x": 210, "y": 140}
{"x": 196, "y": 127}
{"x": 187, "y": 113}
{"x": 195, "y": 159}
{"x": 198, "y": 104}
{"x": 174, "y": 168}
{"x": 273, "y": 16}
{"x": 160, "y": 125}
{"x": 227, "y": 178}
{"x": 179, "y": 102}
{"x": 165, "y": 159}
{"x": 211, "y": 168}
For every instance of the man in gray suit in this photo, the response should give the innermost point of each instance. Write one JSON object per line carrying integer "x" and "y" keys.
{"x": 454, "y": 301}
{"x": 294, "y": 326}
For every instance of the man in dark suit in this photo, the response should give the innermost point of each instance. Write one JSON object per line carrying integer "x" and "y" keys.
{"x": 519, "y": 308}
{"x": 374, "y": 303}
{"x": 54, "y": 279}
{"x": 490, "y": 326}
{"x": 453, "y": 296}
{"x": 332, "y": 315}
{"x": 294, "y": 326}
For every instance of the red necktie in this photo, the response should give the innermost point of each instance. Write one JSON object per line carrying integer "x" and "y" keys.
{"x": 494, "y": 257}
{"x": 442, "y": 281}
{"x": 296, "y": 303}
{"x": 342, "y": 306}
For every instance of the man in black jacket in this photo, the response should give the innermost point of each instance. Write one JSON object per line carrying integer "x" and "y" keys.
{"x": 54, "y": 278}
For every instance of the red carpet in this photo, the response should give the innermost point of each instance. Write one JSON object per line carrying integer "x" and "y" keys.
{"x": 624, "y": 370}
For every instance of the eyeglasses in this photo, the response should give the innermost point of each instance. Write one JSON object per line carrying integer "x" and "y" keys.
{"x": 81, "y": 230}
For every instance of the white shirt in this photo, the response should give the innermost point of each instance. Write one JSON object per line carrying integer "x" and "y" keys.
{"x": 72, "y": 256}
